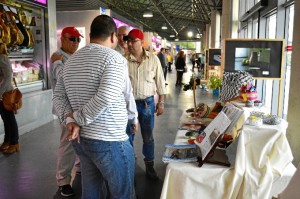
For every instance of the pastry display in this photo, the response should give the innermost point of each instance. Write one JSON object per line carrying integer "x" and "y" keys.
{"x": 255, "y": 121}
{"x": 249, "y": 103}
{"x": 257, "y": 103}
{"x": 248, "y": 92}
{"x": 272, "y": 120}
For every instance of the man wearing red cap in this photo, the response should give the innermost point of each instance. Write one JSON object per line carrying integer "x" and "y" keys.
{"x": 147, "y": 78}
{"x": 66, "y": 157}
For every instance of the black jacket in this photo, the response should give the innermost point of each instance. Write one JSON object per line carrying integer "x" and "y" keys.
{"x": 180, "y": 63}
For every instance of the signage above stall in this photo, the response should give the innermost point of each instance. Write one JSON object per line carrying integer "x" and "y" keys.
{"x": 120, "y": 23}
{"x": 38, "y": 2}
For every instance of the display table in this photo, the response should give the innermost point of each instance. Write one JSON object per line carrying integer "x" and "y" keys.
{"x": 263, "y": 158}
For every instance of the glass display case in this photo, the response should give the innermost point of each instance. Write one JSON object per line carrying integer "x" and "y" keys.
{"x": 22, "y": 30}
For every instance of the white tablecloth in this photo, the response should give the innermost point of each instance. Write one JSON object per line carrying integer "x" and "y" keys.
{"x": 263, "y": 158}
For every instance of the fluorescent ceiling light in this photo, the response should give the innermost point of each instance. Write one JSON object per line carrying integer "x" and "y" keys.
{"x": 164, "y": 27}
{"x": 172, "y": 35}
{"x": 148, "y": 14}
{"x": 176, "y": 39}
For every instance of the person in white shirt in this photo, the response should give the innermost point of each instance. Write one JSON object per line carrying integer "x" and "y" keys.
{"x": 132, "y": 125}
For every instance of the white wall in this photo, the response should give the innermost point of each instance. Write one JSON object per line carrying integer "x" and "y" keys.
{"x": 77, "y": 19}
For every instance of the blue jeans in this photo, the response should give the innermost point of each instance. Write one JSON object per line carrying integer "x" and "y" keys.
{"x": 146, "y": 109}
{"x": 107, "y": 168}
{"x": 129, "y": 130}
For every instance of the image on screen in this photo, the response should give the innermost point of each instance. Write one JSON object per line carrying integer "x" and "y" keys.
{"x": 254, "y": 60}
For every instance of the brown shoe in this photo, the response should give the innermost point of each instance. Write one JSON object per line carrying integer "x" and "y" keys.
{"x": 12, "y": 148}
{"x": 4, "y": 146}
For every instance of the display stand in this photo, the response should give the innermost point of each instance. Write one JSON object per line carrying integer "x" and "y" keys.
{"x": 208, "y": 158}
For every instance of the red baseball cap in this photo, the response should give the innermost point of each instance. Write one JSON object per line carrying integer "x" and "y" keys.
{"x": 72, "y": 31}
{"x": 135, "y": 33}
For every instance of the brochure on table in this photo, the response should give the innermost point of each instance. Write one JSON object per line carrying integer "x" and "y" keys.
{"x": 212, "y": 133}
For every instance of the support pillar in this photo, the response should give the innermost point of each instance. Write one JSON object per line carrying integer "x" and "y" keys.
{"x": 293, "y": 131}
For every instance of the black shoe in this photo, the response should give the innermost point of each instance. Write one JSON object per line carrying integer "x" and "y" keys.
{"x": 150, "y": 172}
{"x": 66, "y": 190}
{"x": 78, "y": 173}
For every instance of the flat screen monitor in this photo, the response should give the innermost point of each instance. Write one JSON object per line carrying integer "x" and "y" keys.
{"x": 262, "y": 58}
{"x": 214, "y": 57}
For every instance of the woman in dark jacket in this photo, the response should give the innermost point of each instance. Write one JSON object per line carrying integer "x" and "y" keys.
{"x": 11, "y": 137}
{"x": 180, "y": 65}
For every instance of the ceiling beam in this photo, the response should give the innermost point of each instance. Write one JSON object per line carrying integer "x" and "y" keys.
{"x": 161, "y": 13}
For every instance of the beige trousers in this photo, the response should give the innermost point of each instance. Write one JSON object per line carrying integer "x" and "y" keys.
{"x": 66, "y": 160}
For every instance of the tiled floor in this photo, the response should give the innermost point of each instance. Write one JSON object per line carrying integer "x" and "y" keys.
{"x": 30, "y": 173}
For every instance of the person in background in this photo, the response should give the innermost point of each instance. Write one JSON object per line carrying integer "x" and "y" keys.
{"x": 91, "y": 103}
{"x": 162, "y": 58}
{"x": 66, "y": 157}
{"x": 166, "y": 68}
{"x": 193, "y": 60}
{"x": 180, "y": 64}
{"x": 202, "y": 62}
{"x": 122, "y": 45}
{"x": 170, "y": 60}
{"x": 132, "y": 125}
{"x": 147, "y": 78}
{"x": 11, "y": 132}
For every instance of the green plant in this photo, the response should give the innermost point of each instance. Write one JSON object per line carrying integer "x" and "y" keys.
{"x": 214, "y": 82}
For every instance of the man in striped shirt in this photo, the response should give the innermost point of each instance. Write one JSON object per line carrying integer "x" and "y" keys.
{"x": 147, "y": 78}
{"x": 89, "y": 98}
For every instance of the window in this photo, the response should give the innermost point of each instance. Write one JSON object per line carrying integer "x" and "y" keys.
{"x": 290, "y": 19}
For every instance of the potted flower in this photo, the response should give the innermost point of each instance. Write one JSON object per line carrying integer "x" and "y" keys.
{"x": 215, "y": 83}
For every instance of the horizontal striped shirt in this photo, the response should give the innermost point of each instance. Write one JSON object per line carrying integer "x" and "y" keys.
{"x": 146, "y": 77}
{"x": 92, "y": 85}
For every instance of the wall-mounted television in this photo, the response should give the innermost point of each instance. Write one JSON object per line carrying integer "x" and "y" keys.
{"x": 214, "y": 56}
{"x": 262, "y": 58}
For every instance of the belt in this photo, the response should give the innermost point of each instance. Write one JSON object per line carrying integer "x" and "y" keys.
{"x": 145, "y": 101}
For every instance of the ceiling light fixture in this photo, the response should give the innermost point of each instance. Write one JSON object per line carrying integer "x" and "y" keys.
{"x": 148, "y": 14}
{"x": 190, "y": 34}
{"x": 172, "y": 35}
{"x": 164, "y": 27}
{"x": 176, "y": 39}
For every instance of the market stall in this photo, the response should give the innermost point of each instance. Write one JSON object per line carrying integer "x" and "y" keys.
{"x": 259, "y": 157}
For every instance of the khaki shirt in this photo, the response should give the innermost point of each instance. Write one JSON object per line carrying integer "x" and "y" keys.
{"x": 146, "y": 77}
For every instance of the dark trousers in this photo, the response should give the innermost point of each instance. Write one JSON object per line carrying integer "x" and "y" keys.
{"x": 170, "y": 66}
{"x": 10, "y": 125}
{"x": 165, "y": 69}
{"x": 179, "y": 77}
